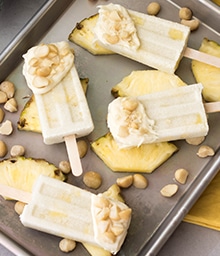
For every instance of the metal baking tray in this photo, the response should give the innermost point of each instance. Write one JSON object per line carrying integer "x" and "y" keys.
{"x": 154, "y": 217}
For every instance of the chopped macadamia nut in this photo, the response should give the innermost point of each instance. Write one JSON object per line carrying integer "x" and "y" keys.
{"x": 17, "y": 150}
{"x": 125, "y": 182}
{"x": 169, "y": 190}
{"x": 181, "y": 175}
{"x": 19, "y": 207}
{"x": 6, "y": 128}
{"x": 8, "y": 88}
{"x": 195, "y": 141}
{"x": 67, "y": 245}
{"x": 11, "y": 105}
{"x": 205, "y": 151}
{"x": 3, "y": 97}
{"x": 192, "y": 24}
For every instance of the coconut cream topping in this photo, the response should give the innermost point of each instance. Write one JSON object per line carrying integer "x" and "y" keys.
{"x": 115, "y": 26}
{"x": 46, "y": 65}
{"x": 129, "y": 124}
{"x": 111, "y": 220}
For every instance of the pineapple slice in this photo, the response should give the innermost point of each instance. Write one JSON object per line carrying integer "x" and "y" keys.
{"x": 83, "y": 36}
{"x": 206, "y": 74}
{"x": 148, "y": 157}
{"x": 145, "y": 81}
{"x": 95, "y": 250}
{"x": 22, "y": 172}
{"x": 145, "y": 158}
{"x": 29, "y": 118}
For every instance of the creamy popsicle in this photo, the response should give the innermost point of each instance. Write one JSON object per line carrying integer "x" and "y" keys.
{"x": 67, "y": 211}
{"x": 168, "y": 115}
{"x": 63, "y": 110}
{"x": 150, "y": 40}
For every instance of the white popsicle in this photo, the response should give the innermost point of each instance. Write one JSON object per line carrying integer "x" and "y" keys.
{"x": 67, "y": 211}
{"x": 150, "y": 40}
{"x": 62, "y": 106}
{"x": 168, "y": 115}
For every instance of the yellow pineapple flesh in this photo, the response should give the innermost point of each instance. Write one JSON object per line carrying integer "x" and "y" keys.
{"x": 145, "y": 158}
{"x": 206, "y": 74}
{"x": 21, "y": 172}
{"x": 83, "y": 35}
{"x": 145, "y": 81}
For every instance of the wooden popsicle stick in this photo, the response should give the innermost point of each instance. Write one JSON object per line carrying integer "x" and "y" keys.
{"x": 73, "y": 154}
{"x": 212, "y": 107}
{"x": 15, "y": 194}
{"x": 202, "y": 57}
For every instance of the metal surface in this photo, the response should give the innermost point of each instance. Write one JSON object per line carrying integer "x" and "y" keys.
{"x": 154, "y": 217}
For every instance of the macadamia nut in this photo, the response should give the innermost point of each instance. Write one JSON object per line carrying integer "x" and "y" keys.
{"x": 67, "y": 245}
{"x": 153, "y": 8}
{"x": 65, "y": 167}
{"x": 2, "y": 115}
{"x": 6, "y": 128}
{"x": 139, "y": 181}
{"x": 11, "y": 105}
{"x": 3, "y": 97}
{"x": 205, "y": 151}
{"x": 92, "y": 179}
{"x": 125, "y": 182}
{"x": 17, "y": 150}
{"x": 19, "y": 207}
{"x": 181, "y": 175}
{"x": 3, "y": 149}
{"x": 8, "y": 88}
{"x": 169, "y": 190}
{"x": 195, "y": 141}
{"x": 82, "y": 148}
{"x": 185, "y": 13}
{"x": 192, "y": 24}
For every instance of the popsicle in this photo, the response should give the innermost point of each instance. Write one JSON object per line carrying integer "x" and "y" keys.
{"x": 63, "y": 109}
{"x": 58, "y": 208}
{"x": 150, "y": 40}
{"x": 173, "y": 114}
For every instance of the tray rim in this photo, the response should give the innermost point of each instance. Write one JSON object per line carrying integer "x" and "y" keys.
{"x": 16, "y": 47}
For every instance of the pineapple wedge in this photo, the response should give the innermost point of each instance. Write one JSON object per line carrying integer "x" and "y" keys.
{"x": 83, "y": 36}
{"x": 22, "y": 172}
{"x": 29, "y": 118}
{"x": 145, "y": 158}
{"x": 145, "y": 81}
{"x": 206, "y": 74}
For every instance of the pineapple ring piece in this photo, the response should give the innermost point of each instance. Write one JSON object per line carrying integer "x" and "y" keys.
{"x": 83, "y": 36}
{"x": 145, "y": 158}
{"x": 142, "y": 82}
{"x": 206, "y": 74}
